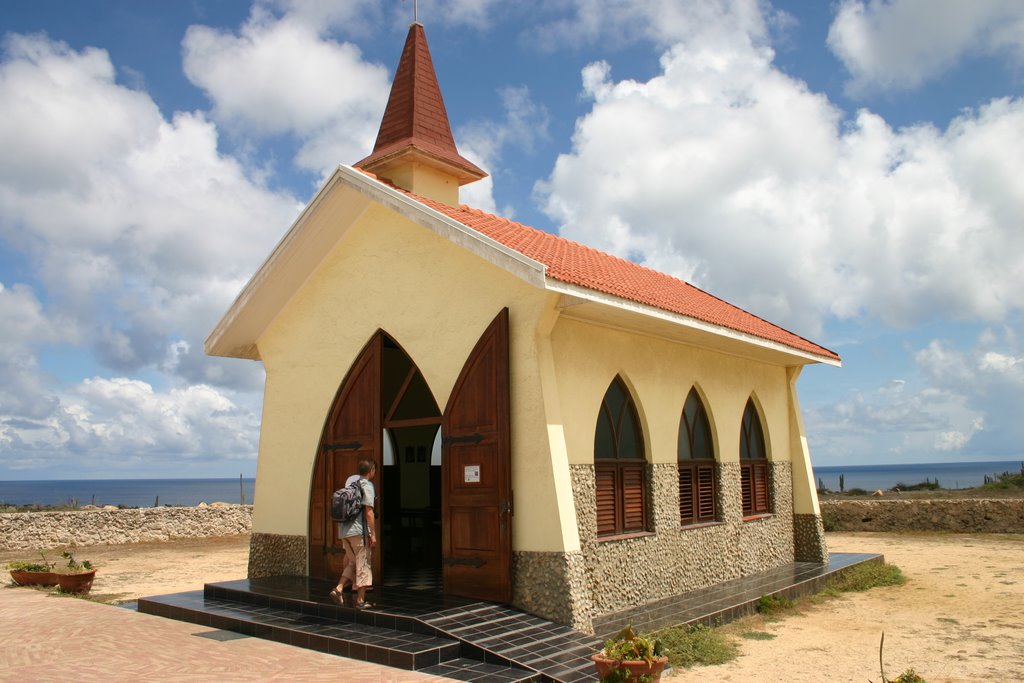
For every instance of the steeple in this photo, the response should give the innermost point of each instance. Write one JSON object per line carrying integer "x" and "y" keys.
{"x": 415, "y": 149}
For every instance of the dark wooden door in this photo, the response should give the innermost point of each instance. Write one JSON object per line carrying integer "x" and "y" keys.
{"x": 352, "y": 432}
{"x": 476, "y": 473}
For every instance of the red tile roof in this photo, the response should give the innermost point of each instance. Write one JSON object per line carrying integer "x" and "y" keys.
{"x": 577, "y": 264}
{"x": 415, "y": 117}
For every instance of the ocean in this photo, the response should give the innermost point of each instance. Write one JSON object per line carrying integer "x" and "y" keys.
{"x": 144, "y": 492}
{"x": 127, "y": 492}
{"x": 950, "y": 475}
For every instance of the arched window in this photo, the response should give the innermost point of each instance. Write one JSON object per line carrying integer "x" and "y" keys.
{"x": 753, "y": 463}
{"x": 619, "y": 464}
{"x": 696, "y": 463}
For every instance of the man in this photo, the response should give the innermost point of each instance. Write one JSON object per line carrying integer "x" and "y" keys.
{"x": 359, "y": 537}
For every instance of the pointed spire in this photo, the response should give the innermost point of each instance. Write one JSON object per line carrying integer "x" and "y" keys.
{"x": 415, "y": 128}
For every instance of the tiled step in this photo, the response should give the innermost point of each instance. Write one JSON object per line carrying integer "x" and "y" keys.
{"x": 561, "y": 653}
{"x": 333, "y": 630}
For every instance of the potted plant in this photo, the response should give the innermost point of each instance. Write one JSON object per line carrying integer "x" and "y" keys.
{"x": 630, "y": 657}
{"x": 33, "y": 573}
{"x": 75, "y": 576}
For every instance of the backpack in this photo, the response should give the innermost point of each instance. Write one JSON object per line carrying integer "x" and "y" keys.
{"x": 347, "y": 502}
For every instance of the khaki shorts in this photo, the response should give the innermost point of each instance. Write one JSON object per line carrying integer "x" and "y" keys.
{"x": 357, "y": 562}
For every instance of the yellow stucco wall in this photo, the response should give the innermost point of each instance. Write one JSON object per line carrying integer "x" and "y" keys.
{"x": 660, "y": 373}
{"x": 435, "y": 299}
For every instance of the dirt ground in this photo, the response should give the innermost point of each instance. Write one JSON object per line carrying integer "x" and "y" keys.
{"x": 959, "y": 617}
{"x": 135, "y": 570}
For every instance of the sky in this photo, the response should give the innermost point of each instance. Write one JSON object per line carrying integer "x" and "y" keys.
{"x": 850, "y": 170}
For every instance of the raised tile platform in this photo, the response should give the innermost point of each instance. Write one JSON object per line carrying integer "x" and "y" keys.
{"x": 459, "y": 638}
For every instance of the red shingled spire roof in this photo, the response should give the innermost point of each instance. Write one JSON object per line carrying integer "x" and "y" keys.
{"x": 415, "y": 120}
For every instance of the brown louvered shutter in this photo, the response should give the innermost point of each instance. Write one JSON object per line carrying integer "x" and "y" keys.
{"x": 705, "y": 487}
{"x": 605, "y": 476}
{"x": 760, "y": 477}
{"x": 746, "y": 484}
{"x": 633, "y": 509}
{"x": 686, "y": 494}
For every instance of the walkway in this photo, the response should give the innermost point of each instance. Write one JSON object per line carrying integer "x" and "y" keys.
{"x": 57, "y": 638}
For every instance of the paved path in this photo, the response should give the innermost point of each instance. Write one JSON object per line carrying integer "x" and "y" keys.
{"x": 58, "y": 638}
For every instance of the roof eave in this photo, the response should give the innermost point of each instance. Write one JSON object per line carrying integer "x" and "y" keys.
{"x": 793, "y": 355}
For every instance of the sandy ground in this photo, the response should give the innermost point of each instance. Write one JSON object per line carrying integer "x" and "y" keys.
{"x": 135, "y": 570}
{"x": 960, "y": 616}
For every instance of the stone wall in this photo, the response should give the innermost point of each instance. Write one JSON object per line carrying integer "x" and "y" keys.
{"x": 111, "y": 526}
{"x": 967, "y": 515}
{"x": 276, "y": 554}
{"x": 674, "y": 559}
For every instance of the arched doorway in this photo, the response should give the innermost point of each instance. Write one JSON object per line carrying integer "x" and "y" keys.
{"x": 444, "y": 495}
{"x": 384, "y": 410}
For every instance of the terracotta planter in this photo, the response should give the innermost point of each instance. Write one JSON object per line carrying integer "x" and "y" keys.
{"x": 634, "y": 669}
{"x": 76, "y": 583}
{"x": 23, "y": 578}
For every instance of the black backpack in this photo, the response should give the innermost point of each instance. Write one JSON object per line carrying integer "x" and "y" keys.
{"x": 347, "y": 502}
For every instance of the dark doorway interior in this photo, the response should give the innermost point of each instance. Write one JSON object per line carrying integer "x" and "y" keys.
{"x": 410, "y": 505}
{"x": 411, "y": 512}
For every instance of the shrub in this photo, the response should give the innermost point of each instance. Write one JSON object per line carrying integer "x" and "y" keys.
{"x": 696, "y": 645}
{"x": 864, "y": 576}
{"x": 1004, "y": 481}
{"x": 829, "y": 520}
{"x": 770, "y": 605}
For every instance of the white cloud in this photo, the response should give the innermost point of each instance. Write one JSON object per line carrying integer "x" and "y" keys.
{"x": 140, "y": 230}
{"x": 664, "y": 22}
{"x": 524, "y": 126}
{"x": 723, "y": 159}
{"x": 950, "y": 441}
{"x": 139, "y": 234}
{"x": 124, "y": 424}
{"x": 897, "y": 44}
{"x": 24, "y": 328}
{"x": 964, "y": 401}
{"x": 281, "y": 75}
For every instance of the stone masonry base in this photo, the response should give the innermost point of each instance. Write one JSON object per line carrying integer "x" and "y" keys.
{"x": 274, "y": 554}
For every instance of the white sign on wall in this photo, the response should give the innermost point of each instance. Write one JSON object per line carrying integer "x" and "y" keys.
{"x": 471, "y": 474}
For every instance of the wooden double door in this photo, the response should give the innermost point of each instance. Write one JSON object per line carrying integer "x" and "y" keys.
{"x": 384, "y": 390}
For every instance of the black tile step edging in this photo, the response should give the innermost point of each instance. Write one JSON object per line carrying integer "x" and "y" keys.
{"x": 380, "y": 645}
{"x": 732, "y": 599}
{"x": 488, "y": 632}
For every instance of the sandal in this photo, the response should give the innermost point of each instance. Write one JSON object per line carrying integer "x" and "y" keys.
{"x": 363, "y": 604}
{"x": 336, "y": 596}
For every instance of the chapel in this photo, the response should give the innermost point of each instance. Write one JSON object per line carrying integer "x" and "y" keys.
{"x": 555, "y": 427}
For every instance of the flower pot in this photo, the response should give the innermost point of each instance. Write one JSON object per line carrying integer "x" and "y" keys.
{"x": 24, "y": 578}
{"x": 76, "y": 583}
{"x": 634, "y": 668}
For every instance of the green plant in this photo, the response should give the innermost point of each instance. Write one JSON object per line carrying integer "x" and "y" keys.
{"x": 74, "y": 566}
{"x": 629, "y": 646}
{"x": 857, "y": 491}
{"x": 1004, "y": 481}
{"x": 758, "y": 635}
{"x": 829, "y": 520}
{"x": 770, "y": 605}
{"x": 697, "y": 645}
{"x": 926, "y": 485}
{"x": 21, "y": 566}
{"x": 25, "y": 566}
{"x": 864, "y": 576}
